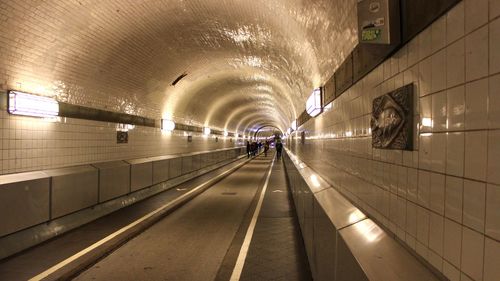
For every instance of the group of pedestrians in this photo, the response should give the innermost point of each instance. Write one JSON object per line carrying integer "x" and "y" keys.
{"x": 254, "y": 147}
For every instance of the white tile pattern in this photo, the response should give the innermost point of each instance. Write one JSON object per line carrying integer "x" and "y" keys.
{"x": 452, "y": 179}
{"x": 247, "y": 62}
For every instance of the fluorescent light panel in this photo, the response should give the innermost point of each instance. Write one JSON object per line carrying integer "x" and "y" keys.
{"x": 32, "y": 105}
{"x": 167, "y": 125}
{"x": 427, "y": 122}
{"x": 124, "y": 127}
{"x": 313, "y": 104}
{"x": 207, "y": 131}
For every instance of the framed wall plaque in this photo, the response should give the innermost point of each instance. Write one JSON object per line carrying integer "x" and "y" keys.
{"x": 392, "y": 120}
{"x": 121, "y": 137}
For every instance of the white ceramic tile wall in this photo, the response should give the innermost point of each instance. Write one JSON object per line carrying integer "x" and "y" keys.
{"x": 123, "y": 55}
{"x": 29, "y": 144}
{"x": 448, "y": 189}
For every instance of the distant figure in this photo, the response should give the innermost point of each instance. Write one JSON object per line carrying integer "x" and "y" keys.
{"x": 254, "y": 149}
{"x": 279, "y": 148}
{"x": 248, "y": 149}
{"x": 266, "y": 148}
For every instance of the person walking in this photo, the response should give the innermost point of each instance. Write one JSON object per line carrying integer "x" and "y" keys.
{"x": 254, "y": 149}
{"x": 248, "y": 149}
{"x": 266, "y": 148}
{"x": 279, "y": 148}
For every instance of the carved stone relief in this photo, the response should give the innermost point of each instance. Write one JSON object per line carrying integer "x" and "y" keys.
{"x": 392, "y": 120}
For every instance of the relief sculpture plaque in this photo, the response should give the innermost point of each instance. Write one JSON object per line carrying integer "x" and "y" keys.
{"x": 392, "y": 120}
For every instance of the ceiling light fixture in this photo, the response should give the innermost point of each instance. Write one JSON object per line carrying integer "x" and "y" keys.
{"x": 313, "y": 104}
{"x": 167, "y": 125}
{"x": 32, "y": 105}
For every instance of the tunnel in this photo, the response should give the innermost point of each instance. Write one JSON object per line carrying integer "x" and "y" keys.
{"x": 250, "y": 140}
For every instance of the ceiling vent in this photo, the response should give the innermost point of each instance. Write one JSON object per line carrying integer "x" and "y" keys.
{"x": 179, "y": 78}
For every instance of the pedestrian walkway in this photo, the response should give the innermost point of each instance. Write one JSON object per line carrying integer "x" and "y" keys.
{"x": 276, "y": 251}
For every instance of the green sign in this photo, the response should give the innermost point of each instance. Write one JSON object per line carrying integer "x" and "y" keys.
{"x": 371, "y": 34}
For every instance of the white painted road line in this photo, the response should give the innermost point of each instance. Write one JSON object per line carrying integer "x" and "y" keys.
{"x": 240, "y": 262}
{"x": 101, "y": 242}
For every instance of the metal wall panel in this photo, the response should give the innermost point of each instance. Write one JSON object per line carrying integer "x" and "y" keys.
{"x": 73, "y": 189}
{"x": 342, "y": 240}
{"x": 175, "y": 169}
{"x": 24, "y": 201}
{"x": 214, "y": 157}
{"x": 329, "y": 91}
{"x": 203, "y": 160}
{"x": 346, "y": 266}
{"x": 325, "y": 239}
{"x": 209, "y": 159}
{"x": 307, "y": 231}
{"x": 141, "y": 173}
{"x": 366, "y": 57}
{"x": 365, "y": 238}
{"x": 196, "y": 162}
{"x": 114, "y": 179}
{"x": 417, "y": 15}
{"x": 339, "y": 210}
{"x": 187, "y": 164}
{"x": 344, "y": 76}
{"x": 161, "y": 170}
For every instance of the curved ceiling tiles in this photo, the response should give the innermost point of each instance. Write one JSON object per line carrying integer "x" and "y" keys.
{"x": 248, "y": 63}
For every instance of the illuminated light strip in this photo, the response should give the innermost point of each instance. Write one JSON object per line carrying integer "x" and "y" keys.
{"x": 240, "y": 262}
{"x": 32, "y": 105}
{"x": 313, "y": 104}
{"x": 167, "y": 125}
{"x": 108, "y": 238}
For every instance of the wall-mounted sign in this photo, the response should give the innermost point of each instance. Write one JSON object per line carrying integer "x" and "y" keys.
{"x": 378, "y": 21}
{"x": 121, "y": 137}
{"x": 190, "y": 138}
{"x": 392, "y": 120}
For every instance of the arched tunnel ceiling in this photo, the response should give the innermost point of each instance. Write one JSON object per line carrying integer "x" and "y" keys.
{"x": 248, "y": 63}
{"x": 267, "y": 131}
